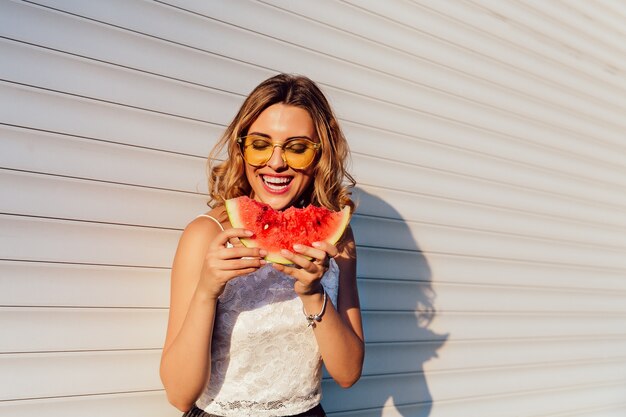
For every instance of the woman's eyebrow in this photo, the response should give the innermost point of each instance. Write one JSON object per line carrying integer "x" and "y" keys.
{"x": 265, "y": 135}
{"x": 299, "y": 137}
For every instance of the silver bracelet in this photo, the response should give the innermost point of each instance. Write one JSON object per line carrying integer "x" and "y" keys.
{"x": 312, "y": 318}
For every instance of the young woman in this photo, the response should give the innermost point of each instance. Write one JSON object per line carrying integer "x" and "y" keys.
{"x": 239, "y": 342}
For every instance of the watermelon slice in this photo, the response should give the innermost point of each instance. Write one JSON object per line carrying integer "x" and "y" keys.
{"x": 276, "y": 230}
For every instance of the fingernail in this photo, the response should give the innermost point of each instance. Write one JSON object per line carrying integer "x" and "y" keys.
{"x": 263, "y": 252}
{"x": 316, "y": 244}
{"x": 263, "y": 261}
{"x": 249, "y": 232}
{"x": 298, "y": 247}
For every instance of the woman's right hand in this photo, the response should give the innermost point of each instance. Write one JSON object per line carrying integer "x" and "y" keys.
{"x": 221, "y": 264}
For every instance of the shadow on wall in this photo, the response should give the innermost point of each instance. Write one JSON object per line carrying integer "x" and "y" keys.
{"x": 397, "y": 300}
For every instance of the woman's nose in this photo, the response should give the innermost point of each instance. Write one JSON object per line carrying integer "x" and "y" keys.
{"x": 277, "y": 161}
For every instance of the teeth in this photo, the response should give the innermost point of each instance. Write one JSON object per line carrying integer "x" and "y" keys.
{"x": 276, "y": 183}
{"x": 276, "y": 180}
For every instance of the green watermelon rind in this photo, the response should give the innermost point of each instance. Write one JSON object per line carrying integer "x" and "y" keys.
{"x": 273, "y": 257}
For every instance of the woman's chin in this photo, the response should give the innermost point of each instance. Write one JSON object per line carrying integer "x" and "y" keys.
{"x": 278, "y": 200}
{"x": 277, "y": 203}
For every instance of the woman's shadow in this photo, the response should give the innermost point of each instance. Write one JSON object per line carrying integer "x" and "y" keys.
{"x": 398, "y": 305}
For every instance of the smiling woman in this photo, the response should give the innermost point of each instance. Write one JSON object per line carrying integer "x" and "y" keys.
{"x": 276, "y": 181}
{"x": 238, "y": 343}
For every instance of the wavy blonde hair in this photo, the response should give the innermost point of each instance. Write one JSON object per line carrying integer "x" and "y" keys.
{"x": 331, "y": 180}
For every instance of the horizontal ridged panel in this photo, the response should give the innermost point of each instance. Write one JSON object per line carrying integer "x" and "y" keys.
{"x": 401, "y": 205}
{"x": 29, "y": 150}
{"x": 52, "y": 196}
{"x": 199, "y": 36}
{"x": 410, "y": 265}
{"x": 108, "y": 203}
{"x": 273, "y": 24}
{"x": 131, "y": 91}
{"x": 572, "y": 22}
{"x": 37, "y": 375}
{"x": 119, "y": 46}
{"x": 317, "y": 37}
{"x": 124, "y": 86}
{"x": 486, "y": 156}
{"x": 423, "y": 15}
{"x": 392, "y": 295}
{"x": 402, "y": 357}
{"x": 85, "y": 285}
{"x": 54, "y": 329}
{"x": 535, "y": 403}
{"x": 152, "y": 403}
{"x": 592, "y": 14}
{"x": 32, "y": 239}
{"x": 50, "y": 111}
{"x": 390, "y": 326}
{"x": 29, "y": 239}
{"x": 106, "y": 286}
{"x": 595, "y": 51}
{"x": 519, "y": 178}
{"x": 460, "y": 385}
{"x": 610, "y": 411}
{"x": 32, "y": 329}
{"x": 444, "y": 65}
{"x": 62, "y": 197}
{"x": 491, "y": 34}
{"x": 406, "y": 177}
{"x": 75, "y": 285}
{"x": 396, "y": 234}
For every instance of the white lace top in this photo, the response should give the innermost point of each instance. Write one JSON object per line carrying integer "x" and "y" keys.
{"x": 264, "y": 359}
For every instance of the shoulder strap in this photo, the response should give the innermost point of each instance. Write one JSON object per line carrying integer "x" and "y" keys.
{"x": 212, "y": 218}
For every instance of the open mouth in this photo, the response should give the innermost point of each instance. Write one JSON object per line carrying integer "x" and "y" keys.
{"x": 276, "y": 184}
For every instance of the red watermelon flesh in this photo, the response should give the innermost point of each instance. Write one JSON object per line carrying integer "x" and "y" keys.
{"x": 276, "y": 230}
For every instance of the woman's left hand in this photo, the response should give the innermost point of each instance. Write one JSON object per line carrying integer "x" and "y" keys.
{"x": 308, "y": 272}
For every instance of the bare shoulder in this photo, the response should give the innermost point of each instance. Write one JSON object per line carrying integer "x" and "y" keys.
{"x": 199, "y": 233}
{"x": 215, "y": 218}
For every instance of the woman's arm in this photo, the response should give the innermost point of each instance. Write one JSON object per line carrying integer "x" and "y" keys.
{"x": 340, "y": 333}
{"x": 202, "y": 267}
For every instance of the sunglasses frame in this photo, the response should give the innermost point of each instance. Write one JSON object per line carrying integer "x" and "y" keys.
{"x": 316, "y": 148}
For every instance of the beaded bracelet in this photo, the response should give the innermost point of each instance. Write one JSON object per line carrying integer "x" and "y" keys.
{"x": 312, "y": 318}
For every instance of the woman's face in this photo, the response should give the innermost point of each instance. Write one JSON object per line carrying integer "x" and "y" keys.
{"x": 276, "y": 183}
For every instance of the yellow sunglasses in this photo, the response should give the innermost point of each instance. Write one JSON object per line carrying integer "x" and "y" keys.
{"x": 298, "y": 153}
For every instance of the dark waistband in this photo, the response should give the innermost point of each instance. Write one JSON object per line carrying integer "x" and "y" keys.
{"x": 316, "y": 411}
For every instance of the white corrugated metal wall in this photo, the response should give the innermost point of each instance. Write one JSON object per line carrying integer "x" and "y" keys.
{"x": 488, "y": 143}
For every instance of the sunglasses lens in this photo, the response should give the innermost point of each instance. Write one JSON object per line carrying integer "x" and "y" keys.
{"x": 299, "y": 153}
{"x": 257, "y": 151}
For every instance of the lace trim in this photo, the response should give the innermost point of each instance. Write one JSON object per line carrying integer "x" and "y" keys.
{"x": 255, "y": 405}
